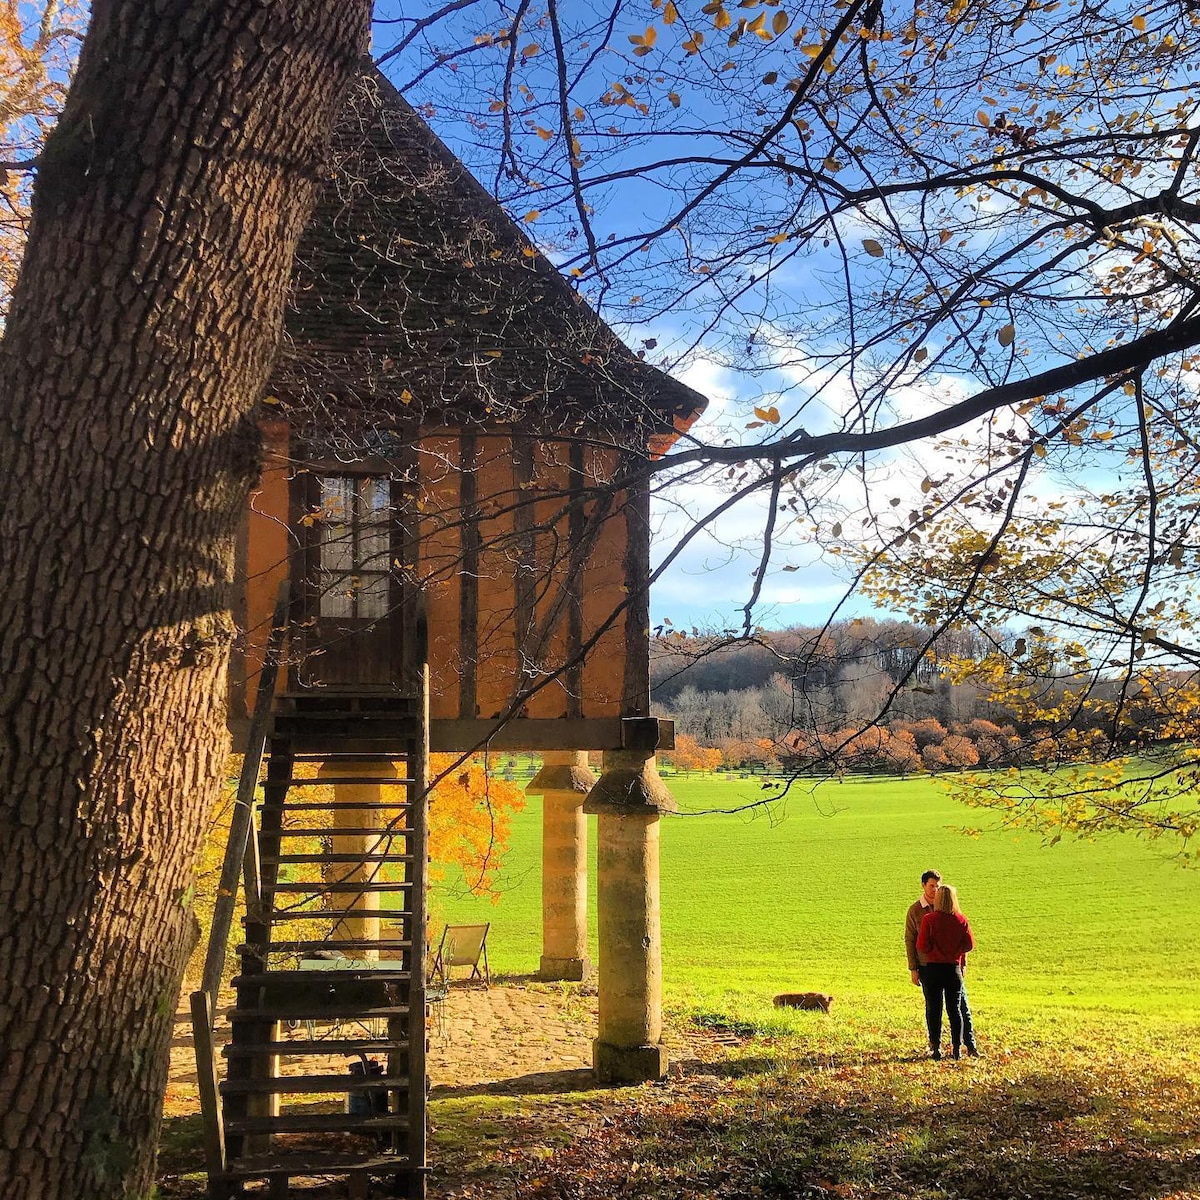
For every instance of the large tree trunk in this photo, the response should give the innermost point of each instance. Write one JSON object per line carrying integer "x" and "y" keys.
{"x": 143, "y": 325}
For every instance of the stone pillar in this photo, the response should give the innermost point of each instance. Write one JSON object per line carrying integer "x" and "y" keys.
{"x": 365, "y": 927}
{"x": 563, "y": 782}
{"x": 629, "y": 799}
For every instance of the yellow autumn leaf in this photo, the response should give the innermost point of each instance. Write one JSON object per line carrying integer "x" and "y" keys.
{"x": 770, "y": 415}
{"x": 780, "y": 22}
{"x": 777, "y": 239}
{"x": 872, "y": 247}
{"x": 1007, "y": 334}
{"x": 531, "y": 215}
{"x": 670, "y": 13}
{"x": 530, "y": 50}
{"x": 1139, "y": 23}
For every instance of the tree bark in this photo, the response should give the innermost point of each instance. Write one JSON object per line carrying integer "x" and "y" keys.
{"x": 141, "y": 332}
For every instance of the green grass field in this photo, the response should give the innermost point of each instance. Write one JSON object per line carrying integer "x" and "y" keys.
{"x": 813, "y": 897}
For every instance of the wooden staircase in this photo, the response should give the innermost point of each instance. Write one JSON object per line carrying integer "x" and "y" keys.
{"x": 326, "y": 1055}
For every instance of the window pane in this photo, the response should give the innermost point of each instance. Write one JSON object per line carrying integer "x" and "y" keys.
{"x": 337, "y": 534}
{"x": 372, "y": 596}
{"x": 375, "y": 499}
{"x": 337, "y": 595}
{"x": 374, "y": 546}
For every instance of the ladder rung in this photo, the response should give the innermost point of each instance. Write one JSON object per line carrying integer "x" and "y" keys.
{"x": 347, "y": 755}
{"x": 318, "y": 806}
{"x": 341, "y": 885}
{"x": 365, "y": 860}
{"x": 397, "y": 974}
{"x": 343, "y": 831}
{"x": 335, "y": 780}
{"x": 332, "y": 943}
{"x": 312, "y": 1162}
{"x": 316, "y": 1123}
{"x": 330, "y": 1047}
{"x": 283, "y": 1084}
{"x": 318, "y": 914}
{"x": 318, "y": 1012}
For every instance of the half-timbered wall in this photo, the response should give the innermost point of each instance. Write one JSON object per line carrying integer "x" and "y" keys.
{"x": 532, "y": 585}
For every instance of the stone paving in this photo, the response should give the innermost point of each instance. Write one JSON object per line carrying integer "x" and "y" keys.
{"x": 496, "y": 1039}
{"x": 510, "y": 1031}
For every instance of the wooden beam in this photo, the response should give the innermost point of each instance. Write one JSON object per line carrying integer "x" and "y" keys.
{"x": 206, "y": 1082}
{"x": 533, "y": 733}
{"x": 471, "y": 542}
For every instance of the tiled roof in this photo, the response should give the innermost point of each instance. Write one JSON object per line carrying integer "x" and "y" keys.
{"x": 415, "y": 294}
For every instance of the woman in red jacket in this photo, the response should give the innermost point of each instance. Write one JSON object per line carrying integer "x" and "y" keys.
{"x": 944, "y": 939}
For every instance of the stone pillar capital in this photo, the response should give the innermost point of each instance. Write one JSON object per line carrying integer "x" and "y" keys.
{"x": 630, "y": 785}
{"x": 562, "y": 771}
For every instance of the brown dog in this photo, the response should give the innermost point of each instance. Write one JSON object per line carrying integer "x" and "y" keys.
{"x": 806, "y": 1000}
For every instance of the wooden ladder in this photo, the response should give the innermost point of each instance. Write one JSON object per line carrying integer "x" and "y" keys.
{"x": 309, "y": 989}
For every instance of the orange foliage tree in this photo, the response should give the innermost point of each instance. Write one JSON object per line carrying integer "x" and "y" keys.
{"x": 689, "y": 755}
{"x": 470, "y": 821}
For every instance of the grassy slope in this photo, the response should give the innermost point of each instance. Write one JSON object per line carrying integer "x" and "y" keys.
{"x": 815, "y": 900}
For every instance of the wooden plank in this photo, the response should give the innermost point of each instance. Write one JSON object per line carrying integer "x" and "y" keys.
{"x": 318, "y": 1123}
{"x": 526, "y": 566}
{"x": 325, "y": 1047}
{"x": 327, "y": 1011}
{"x": 312, "y": 1162}
{"x": 577, "y": 523}
{"x": 323, "y": 1084}
{"x": 417, "y": 1017}
{"x": 275, "y": 859}
{"x": 604, "y": 584}
{"x": 497, "y": 667}
{"x": 533, "y": 733}
{"x": 375, "y": 831}
{"x": 636, "y": 698}
{"x": 341, "y": 885}
{"x": 206, "y": 1081}
{"x": 468, "y": 613}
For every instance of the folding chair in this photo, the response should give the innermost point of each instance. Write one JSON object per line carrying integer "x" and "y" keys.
{"x": 464, "y": 946}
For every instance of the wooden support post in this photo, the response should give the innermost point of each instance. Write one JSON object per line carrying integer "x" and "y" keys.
{"x": 206, "y": 1081}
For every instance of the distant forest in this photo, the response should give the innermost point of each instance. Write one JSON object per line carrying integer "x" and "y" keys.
{"x": 858, "y": 694}
{"x": 802, "y": 678}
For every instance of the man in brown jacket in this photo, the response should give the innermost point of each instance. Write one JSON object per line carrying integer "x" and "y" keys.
{"x": 930, "y": 881}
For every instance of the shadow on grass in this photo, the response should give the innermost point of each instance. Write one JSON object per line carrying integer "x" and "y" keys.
{"x": 537, "y": 1083}
{"x": 1039, "y": 1135}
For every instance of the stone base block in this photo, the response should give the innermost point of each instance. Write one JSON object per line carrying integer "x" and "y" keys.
{"x": 628, "y": 1064}
{"x": 575, "y": 970}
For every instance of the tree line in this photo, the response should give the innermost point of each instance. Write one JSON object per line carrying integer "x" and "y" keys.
{"x": 891, "y": 695}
